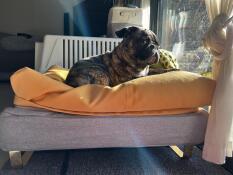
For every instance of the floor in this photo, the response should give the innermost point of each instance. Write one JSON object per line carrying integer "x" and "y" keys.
{"x": 114, "y": 161}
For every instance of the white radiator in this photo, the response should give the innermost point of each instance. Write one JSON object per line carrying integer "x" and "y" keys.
{"x": 67, "y": 50}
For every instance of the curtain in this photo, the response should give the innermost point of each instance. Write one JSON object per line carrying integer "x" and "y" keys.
{"x": 153, "y": 15}
{"x": 219, "y": 41}
{"x": 145, "y": 5}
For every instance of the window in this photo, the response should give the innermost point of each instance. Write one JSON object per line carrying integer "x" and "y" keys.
{"x": 180, "y": 27}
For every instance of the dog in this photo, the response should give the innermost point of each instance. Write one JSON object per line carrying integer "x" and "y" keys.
{"x": 129, "y": 60}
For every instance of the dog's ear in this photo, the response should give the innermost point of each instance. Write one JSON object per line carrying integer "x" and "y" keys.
{"x": 123, "y": 33}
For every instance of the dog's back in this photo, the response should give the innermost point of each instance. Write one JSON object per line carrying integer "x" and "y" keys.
{"x": 90, "y": 71}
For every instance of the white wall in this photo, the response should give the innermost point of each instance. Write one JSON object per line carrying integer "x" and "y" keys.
{"x": 37, "y": 17}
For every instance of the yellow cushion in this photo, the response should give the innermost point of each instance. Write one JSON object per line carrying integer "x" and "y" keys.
{"x": 169, "y": 93}
{"x": 57, "y": 73}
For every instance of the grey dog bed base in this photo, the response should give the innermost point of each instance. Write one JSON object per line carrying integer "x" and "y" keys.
{"x": 30, "y": 129}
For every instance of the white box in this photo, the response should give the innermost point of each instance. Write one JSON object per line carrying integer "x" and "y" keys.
{"x": 120, "y": 17}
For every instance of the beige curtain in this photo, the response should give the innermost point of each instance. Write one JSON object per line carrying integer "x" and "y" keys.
{"x": 219, "y": 40}
{"x": 145, "y": 5}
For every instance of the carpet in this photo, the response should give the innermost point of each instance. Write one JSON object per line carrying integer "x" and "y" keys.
{"x": 115, "y": 161}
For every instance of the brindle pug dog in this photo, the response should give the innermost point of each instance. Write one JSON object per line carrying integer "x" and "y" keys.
{"x": 129, "y": 60}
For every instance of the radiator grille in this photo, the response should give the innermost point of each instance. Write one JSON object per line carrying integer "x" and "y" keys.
{"x": 75, "y": 50}
{"x": 65, "y": 50}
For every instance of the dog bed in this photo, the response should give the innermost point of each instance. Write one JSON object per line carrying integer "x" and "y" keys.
{"x": 31, "y": 129}
{"x": 169, "y": 93}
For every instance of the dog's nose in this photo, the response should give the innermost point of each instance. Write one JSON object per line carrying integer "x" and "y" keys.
{"x": 152, "y": 46}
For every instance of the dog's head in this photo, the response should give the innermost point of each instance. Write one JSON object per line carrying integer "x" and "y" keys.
{"x": 141, "y": 44}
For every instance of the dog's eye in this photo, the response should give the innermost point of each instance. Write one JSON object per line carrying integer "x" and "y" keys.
{"x": 146, "y": 41}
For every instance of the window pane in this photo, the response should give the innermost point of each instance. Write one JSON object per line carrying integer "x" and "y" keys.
{"x": 182, "y": 24}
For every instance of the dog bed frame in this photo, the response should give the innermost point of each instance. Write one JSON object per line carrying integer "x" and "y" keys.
{"x": 29, "y": 129}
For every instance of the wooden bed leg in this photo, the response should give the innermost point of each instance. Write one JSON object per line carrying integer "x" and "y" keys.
{"x": 16, "y": 159}
{"x": 19, "y": 159}
{"x": 187, "y": 153}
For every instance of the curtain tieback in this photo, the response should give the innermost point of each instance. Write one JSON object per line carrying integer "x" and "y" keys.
{"x": 215, "y": 38}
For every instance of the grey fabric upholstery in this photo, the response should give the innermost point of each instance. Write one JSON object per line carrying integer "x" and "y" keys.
{"x": 27, "y": 129}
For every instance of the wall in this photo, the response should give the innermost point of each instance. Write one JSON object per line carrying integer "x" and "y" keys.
{"x": 37, "y": 17}
{"x": 16, "y": 16}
